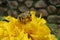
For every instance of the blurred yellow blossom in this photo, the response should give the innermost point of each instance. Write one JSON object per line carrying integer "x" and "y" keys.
{"x": 36, "y": 29}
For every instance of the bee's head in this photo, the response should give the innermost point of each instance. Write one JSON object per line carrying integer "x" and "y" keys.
{"x": 25, "y": 17}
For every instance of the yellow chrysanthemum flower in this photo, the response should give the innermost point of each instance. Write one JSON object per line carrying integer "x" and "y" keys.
{"x": 35, "y": 29}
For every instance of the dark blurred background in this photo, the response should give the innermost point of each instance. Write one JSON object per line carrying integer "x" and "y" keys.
{"x": 49, "y": 8}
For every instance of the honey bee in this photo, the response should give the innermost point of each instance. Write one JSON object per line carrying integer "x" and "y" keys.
{"x": 25, "y": 17}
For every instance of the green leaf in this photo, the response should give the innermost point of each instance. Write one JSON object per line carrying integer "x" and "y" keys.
{"x": 1, "y": 18}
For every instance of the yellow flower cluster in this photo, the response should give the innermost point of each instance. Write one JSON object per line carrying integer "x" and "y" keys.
{"x": 36, "y": 29}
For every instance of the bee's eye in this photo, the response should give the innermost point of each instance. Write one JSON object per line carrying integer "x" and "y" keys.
{"x": 22, "y": 18}
{"x": 19, "y": 18}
